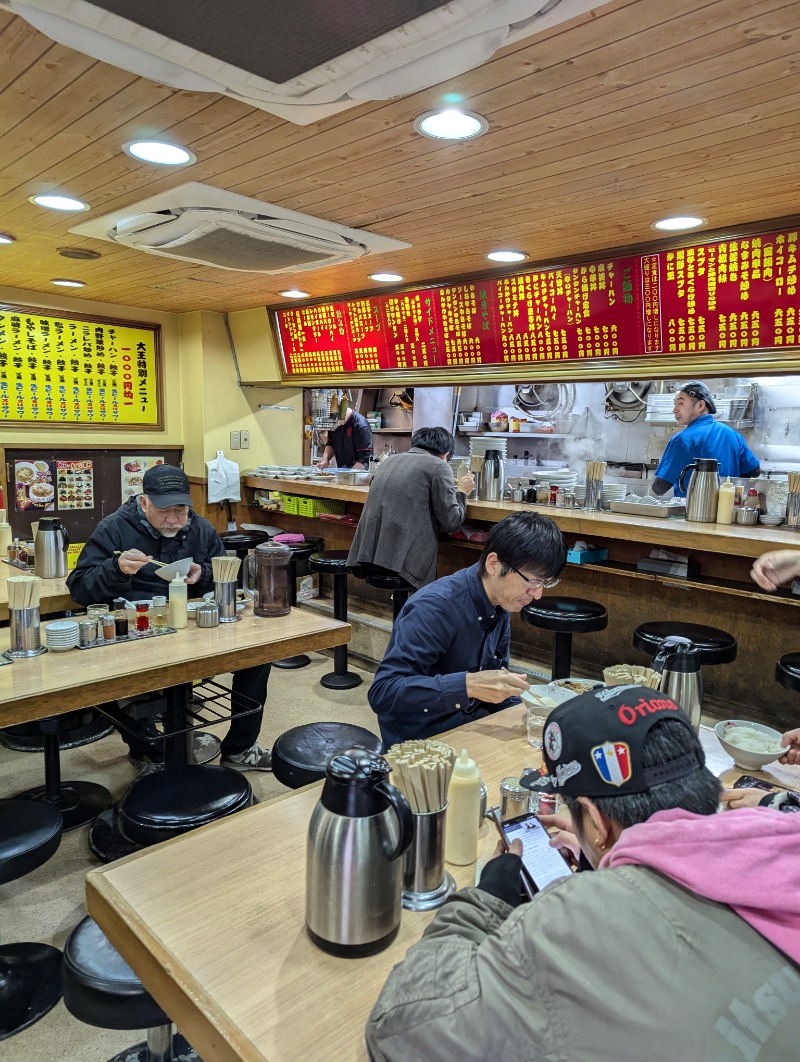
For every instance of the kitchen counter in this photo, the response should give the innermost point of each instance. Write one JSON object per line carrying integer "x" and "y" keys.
{"x": 674, "y": 532}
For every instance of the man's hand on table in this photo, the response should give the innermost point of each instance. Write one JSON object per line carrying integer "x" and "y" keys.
{"x": 132, "y": 560}
{"x": 494, "y": 687}
{"x": 742, "y": 798}
{"x": 195, "y": 571}
{"x": 791, "y": 742}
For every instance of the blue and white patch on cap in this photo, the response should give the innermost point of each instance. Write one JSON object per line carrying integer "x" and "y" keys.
{"x": 553, "y": 740}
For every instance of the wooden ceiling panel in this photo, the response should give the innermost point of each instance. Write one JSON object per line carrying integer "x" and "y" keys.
{"x": 598, "y": 126}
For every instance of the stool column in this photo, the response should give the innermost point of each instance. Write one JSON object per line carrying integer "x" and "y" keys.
{"x": 334, "y": 562}
{"x": 562, "y": 656}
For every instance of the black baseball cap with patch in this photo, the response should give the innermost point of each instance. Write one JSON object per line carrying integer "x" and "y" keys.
{"x": 593, "y": 743}
{"x": 697, "y": 390}
{"x": 166, "y": 486}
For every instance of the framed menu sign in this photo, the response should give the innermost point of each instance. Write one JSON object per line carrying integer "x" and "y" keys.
{"x": 78, "y": 370}
{"x": 729, "y": 295}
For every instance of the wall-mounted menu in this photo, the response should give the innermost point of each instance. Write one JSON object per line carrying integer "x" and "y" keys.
{"x": 725, "y": 295}
{"x": 77, "y": 370}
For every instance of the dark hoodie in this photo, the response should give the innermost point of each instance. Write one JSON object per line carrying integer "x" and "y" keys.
{"x": 97, "y": 577}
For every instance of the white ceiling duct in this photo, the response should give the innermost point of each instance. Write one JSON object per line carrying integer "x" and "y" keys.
{"x": 300, "y": 61}
{"x": 199, "y": 223}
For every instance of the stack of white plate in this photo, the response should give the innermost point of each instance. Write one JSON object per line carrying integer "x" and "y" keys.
{"x": 580, "y": 493}
{"x": 61, "y": 635}
{"x": 614, "y": 492}
{"x": 566, "y": 478}
{"x": 479, "y": 446}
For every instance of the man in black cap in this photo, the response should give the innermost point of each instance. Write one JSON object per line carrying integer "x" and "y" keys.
{"x": 159, "y": 524}
{"x": 683, "y": 944}
{"x": 702, "y": 436}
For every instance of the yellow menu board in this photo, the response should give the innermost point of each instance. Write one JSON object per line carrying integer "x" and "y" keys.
{"x": 78, "y": 370}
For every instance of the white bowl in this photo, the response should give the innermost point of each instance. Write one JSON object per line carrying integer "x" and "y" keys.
{"x": 771, "y": 521}
{"x": 167, "y": 572}
{"x": 753, "y": 761}
{"x": 554, "y": 693}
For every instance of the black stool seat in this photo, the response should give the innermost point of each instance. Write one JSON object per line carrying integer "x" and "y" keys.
{"x": 334, "y": 562}
{"x": 30, "y": 832}
{"x": 387, "y": 581}
{"x": 178, "y": 799}
{"x": 567, "y": 615}
{"x": 564, "y": 616}
{"x": 300, "y": 755}
{"x": 787, "y": 672}
{"x": 329, "y": 562}
{"x": 714, "y": 646}
{"x": 30, "y": 986}
{"x": 100, "y": 988}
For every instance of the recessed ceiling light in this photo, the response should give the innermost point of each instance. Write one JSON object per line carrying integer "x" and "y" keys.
{"x": 506, "y": 256}
{"x": 57, "y": 202}
{"x": 69, "y": 283}
{"x": 158, "y": 151}
{"x": 386, "y": 278}
{"x": 295, "y": 293}
{"x": 451, "y": 124}
{"x": 678, "y": 223}
{"x": 5, "y": 238}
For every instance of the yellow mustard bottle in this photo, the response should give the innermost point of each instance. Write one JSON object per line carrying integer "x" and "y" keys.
{"x": 178, "y": 595}
{"x": 463, "y": 812}
{"x": 727, "y": 493}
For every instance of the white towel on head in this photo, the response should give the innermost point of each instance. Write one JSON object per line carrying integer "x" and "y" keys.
{"x": 224, "y": 481}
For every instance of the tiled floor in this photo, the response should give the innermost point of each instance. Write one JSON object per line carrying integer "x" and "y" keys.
{"x": 46, "y": 905}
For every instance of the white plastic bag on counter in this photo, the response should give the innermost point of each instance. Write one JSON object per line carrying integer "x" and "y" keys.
{"x": 224, "y": 481}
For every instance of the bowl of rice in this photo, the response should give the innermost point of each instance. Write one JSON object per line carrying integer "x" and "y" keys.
{"x": 751, "y": 745}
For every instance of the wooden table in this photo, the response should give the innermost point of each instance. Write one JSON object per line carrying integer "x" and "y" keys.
{"x": 213, "y": 922}
{"x": 54, "y": 594}
{"x": 54, "y": 683}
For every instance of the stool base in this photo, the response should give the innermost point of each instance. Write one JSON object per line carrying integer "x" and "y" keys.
{"x": 30, "y": 985}
{"x": 291, "y": 663}
{"x": 106, "y": 841}
{"x": 78, "y": 802}
{"x": 348, "y": 681}
{"x": 181, "y": 1051}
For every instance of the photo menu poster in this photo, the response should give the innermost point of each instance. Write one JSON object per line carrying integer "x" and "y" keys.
{"x": 724, "y": 295}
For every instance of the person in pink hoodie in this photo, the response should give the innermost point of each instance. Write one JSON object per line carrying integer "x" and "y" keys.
{"x": 682, "y": 945}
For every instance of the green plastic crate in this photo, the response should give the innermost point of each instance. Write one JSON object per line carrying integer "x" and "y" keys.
{"x": 290, "y": 503}
{"x": 315, "y": 506}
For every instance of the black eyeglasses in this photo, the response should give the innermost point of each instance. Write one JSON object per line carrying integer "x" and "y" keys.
{"x": 535, "y": 584}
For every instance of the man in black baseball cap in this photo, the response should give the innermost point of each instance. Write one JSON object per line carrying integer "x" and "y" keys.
{"x": 702, "y": 436}
{"x": 165, "y": 486}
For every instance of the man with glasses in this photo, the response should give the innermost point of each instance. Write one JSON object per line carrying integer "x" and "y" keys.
{"x": 447, "y": 659}
{"x": 116, "y": 562}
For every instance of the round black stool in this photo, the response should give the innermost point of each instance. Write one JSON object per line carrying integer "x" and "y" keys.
{"x": 168, "y": 803}
{"x": 30, "y": 984}
{"x": 298, "y": 565}
{"x": 28, "y": 737}
{"x": 389, "y": 581}
{"x": 240, "y": 543}
{"x": 334, "y": 562}
{"x": 78, "y": 802}
{"x": 100, "y": 989}
{"x": 713, "y": 646}
{"x": 787, "y": 672}
{"x": 564, "y": 616}
{"x": 300, "y": 755}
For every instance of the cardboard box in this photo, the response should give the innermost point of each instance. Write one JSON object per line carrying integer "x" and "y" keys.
{"x": 586, "y": 556}
{"x": 307, "y": 587}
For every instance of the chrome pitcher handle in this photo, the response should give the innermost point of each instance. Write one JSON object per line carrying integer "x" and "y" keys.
{"x": 65, "y": 535}
{"x": 405, "y": 819}
{"x": 686, "y": 468}
{"x": 248, "y": 574}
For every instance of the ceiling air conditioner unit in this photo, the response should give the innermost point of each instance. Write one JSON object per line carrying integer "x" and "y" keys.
{"x": 301, "y": 60}
{"x": 199, "y": 223}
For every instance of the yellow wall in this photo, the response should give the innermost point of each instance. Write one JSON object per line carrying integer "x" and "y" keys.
{"x": 202, "y": 401}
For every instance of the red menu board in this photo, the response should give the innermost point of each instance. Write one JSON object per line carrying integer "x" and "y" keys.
{"x": 720, "y": 296}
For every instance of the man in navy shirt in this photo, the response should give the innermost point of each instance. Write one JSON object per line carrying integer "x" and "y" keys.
{"x": 447, "y": 658}
{"x": 350, "y": 443}
{"x": 702, "y": 436}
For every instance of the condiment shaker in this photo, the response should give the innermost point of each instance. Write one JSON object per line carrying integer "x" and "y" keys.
{"x": 207, "y": 615}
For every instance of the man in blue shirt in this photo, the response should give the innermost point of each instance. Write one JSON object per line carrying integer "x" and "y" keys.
{"x": 447, "y": 658}
{"x": 702, "y": 436}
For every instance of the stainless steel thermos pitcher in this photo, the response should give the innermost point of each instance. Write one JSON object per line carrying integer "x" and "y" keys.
{"x": 702, "y": 493}
{"x": 358, "y": 833}
{"x": 491, "y": 478}
{"x": 50, "y": 548}
{"x": 678, "y": 663}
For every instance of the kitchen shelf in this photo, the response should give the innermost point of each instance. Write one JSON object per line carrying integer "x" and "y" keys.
{"x": 392, "y": 431}
{"x": 517, "y": 434}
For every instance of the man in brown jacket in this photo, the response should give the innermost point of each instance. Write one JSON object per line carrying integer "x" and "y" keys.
{"x": 411, "y": 497}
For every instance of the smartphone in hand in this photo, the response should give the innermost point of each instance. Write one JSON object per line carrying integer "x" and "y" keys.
{"x": 541, "y": 864}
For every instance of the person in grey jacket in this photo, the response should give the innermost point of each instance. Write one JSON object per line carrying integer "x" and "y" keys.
{"x": 412, "y": 497}
{"x": 684, "y": 943}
